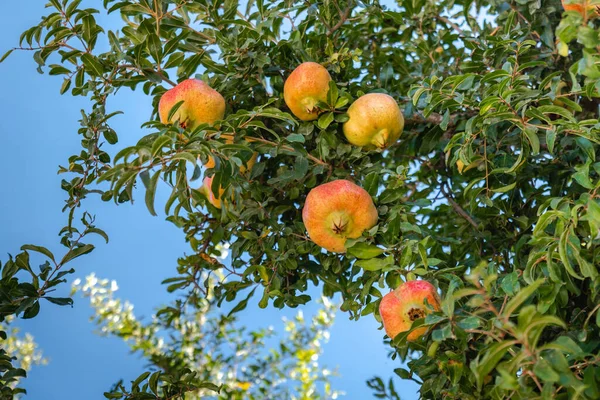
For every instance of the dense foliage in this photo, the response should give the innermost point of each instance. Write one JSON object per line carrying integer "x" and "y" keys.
{"x": 490, "y": 193}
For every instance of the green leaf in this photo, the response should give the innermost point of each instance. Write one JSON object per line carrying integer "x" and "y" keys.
{"x": 545, "y": 372}
{"x": 423, "y": 253}
{"x": 402, "y": 373}
{"x": 582, "y": 176}
{"x": 505, "y": 189}
{"x": 443, "y": 333}
{"x": 375, "y": 264}
{"x": 400, "y": 339}
{"x": 304, "y": 129}
{"x": 61, "y": 301}
{"x": 210, "y": 386}
{"x": 550, "y": 139}
{"x": 556, "y": 110}
{"x": 9, "y": 269}
{"x": 242, "y": 304}
{"x": 587, "y": 147}
{"x": 99, "y": 232}
{"x": 417, "y": 95}
{"x": 300, "y": 167}
{"x": 566, "y": 345}
{"x": 113, "y": 395}
{"x": 500, "y": 73}
{"x": 175, "y": 60}
{"x": 154, "y": 47}
{"x": 341, "y": 102}
{"x": 325, "y": 120}
{"x": 264, "y": 301}
{"x": 546, "y": 320}
{"x": 72, "y": 7}
{"x": 140, "y": 379}
{"x": 408, "y": 227}
{"x": 151, "y": 192}
{"x": 472, "y": 322}
{"x": 173, "y": 110}
{"x": 589, "y": 379}
{"x": 587, "y": 269}
{"x": 341, "y": 118}
{"x": 184, "y": 156}
{"x": 491, "y": 357}
{"x": 544, "y": 220}
{"x": 372, "y": 183}
{"x": 153, "y": 382}
{"x": 295, "y": 138}
{"x": 564, "y": 255}
{"x": 111, "y": 136}
{"x": 5, "y": 56}
{"x": 364, "y": 250}
{"x": 65, "y": 86}
{"x": 159, "y": 143}
{"x": 32, "y": 311}
{"x": 532, "y": 137}
{"x": 89, "y": 29}
{"x": 92, "y": 65}
{"x": 390, "y": 196}
{"x": 445, "y": 120}
{"x": 432, "y": 319}
{"x": 77, "y": 252}
{"x": 588, "y": 36}
{"x": 56, "y": 4}
{"x": 332, "y": 94}
{"x": 521, "y": 297}
{"x": 38, "y": 249}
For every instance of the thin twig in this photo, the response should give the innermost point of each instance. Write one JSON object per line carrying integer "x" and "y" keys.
{"x": 287, "y": 148}
{"x": 343, "y": 17}
{"x": 452, "y": 24}
{"x": 459, "y": 210}
{"x": 251, "y": 139}
{"x": 159, "y": 73}
{"x": 436, "y": 119}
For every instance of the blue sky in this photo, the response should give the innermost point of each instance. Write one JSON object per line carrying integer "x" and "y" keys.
{"x": 39, "y": 131}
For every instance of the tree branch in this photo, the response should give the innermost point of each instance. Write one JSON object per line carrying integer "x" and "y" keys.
{"x": 287, "y": 148}
{"x": 452, "y": 24}
{"x": 436, "y": 119}
{"x": 343, "y": 17}
{"x": 139, "y": 71}
{"x": 459, "y": 210}
{"x": 251, "y": 139}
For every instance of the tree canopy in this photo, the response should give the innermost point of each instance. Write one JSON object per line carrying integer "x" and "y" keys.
{"x": 490, "y": 193}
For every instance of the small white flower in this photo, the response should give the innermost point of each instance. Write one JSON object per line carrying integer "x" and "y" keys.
{"x": 223, "y": 249}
